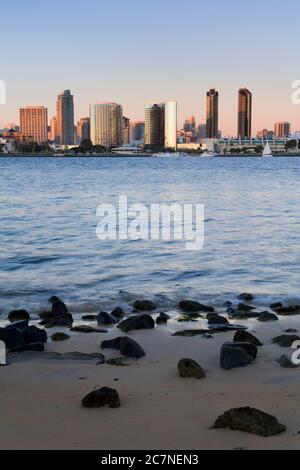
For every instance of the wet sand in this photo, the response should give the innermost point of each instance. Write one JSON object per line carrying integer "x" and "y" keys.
{"x": 41, "y": 400}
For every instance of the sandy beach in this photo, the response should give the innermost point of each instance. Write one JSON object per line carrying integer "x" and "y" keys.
{"x": 41, "y": 399}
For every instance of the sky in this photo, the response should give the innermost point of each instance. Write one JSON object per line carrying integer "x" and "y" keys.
{"x": 135, "y": 52}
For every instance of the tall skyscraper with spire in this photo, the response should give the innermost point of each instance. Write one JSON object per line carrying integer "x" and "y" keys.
{"x": 65, "y": 131}
{"x": 244, "y": 114}
{"x": 212, "y": 114}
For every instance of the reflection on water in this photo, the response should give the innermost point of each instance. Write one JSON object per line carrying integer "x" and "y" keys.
{"x": 48, "y": 242}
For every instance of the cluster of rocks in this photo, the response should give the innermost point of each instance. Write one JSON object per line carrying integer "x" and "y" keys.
{"x": 20, "y": 337}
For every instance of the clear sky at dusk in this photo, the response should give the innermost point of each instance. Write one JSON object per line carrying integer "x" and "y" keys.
{"x": 134, "y": 52}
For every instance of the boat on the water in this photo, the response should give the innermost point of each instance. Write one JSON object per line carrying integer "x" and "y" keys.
{"x": 208, "y": 154}
{"x": 169, "y": 154}
{"x": 267, "y": 152}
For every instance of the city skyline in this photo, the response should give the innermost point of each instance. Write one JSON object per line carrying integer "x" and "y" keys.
{"x": 62, "y": 125}
{"x": 118, "y": 65}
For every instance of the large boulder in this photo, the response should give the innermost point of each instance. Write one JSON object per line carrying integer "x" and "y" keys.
{"x": 20, "y": 325}
{"x": 190, "y": 369}
{"x": 18, "y": 315}
{"x": 58, "y": 307}
{"x": 118, "y": 313}
{"x": 217, "y": 320}
{"x": 286, "y": 341}
{"x": 144, "y": 305}
{"x": 127, "y": 346}
{"x": 105, "y": 318}
{"x": 190, "y": 306}
{"x": 250, "y": 420}
{"x": 34, "y": 347}
{"x": 34, "y": 335}
{"x": 65, "y": 321}
{"x": 12, "y": 337}
{"x": 234, "y": 355}
{"x": 103, "y": 397}
{"x": 275, "y": 306}
{"x": 245, "y": 297}
{"x": 245, "y": 307}
{"x": 289, "y": 311}
{"x": 267, "y": 316}
{"x": 246, "y": 337}
{"x": 131, "y": 348}
{"x": 163, "y": 318}
{"x": 143, "y": 322}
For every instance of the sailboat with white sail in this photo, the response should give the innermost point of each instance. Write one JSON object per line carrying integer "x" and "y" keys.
{"x": 267, "y": 152}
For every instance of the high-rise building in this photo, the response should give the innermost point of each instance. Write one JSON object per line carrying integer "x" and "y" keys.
{"x": 34, "y": 123}
{"x": 190, "y": 125}
{"x": 137, "y": 131}
{"x": 53, "y": 129}
{"x": 65, "y": 118}
{"x": 212, "y": 114}
{"x": 83, "y": 129}
{"x": 106, "y": 124}
{"x": 282, "y": 129}
{"x": 244, "y": 113}
{"x": 155, "y": 125}
{"x": 201, "y": 132}
{"x": 126, "y": 130}
{"x": 171, "y": 124}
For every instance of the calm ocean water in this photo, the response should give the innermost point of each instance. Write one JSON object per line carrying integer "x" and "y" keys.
{"x": 48, "y": 242}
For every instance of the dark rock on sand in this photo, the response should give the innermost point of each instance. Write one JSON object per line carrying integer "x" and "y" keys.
{"x": 58, "y": 307}
{"x": 18, "y": 315}
{"x": 112, "y": 344}
{"x": 246, "y": 297}
{"x": 35, "y": 335}
{"x": 286, "y": 363}
{"x": 275, "y": 306}
{"x": 46, "y": 316}
{"x": 103, "y": 397}
{"x": 286, "y": 341}
{"x": 61, "y": 321}
{"x": 163, "y": 318}
{"x": 190, "y": 306}
{"x": 217, "y": 320}
{"x": 143, "y": 322}
{"x": 90, "y": 317}
{"x": 237, "y": 355}
{"x": 105, "y": 318}
{"x": 87, "y": 329}
{"x": 191, "y": 333}
{"x": 190, "y": 369}
{"x": 127, "y": 346}
{"x": 60, "y": 337}
{"x": 289, "y": 311}
{"x": 243, "y": 314}
{"x": 144, "y": 305}
{"x": 246, "y": 337}
{"x": 12, "y": 337}
{"x": 131, "y": 348}
{"x": 245, "y": 308}
{"x": 250, "y": 420}
{"x": 118, "y": 313}
{"x": 20, "y": 325}
{"x": 267, "y": 316}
